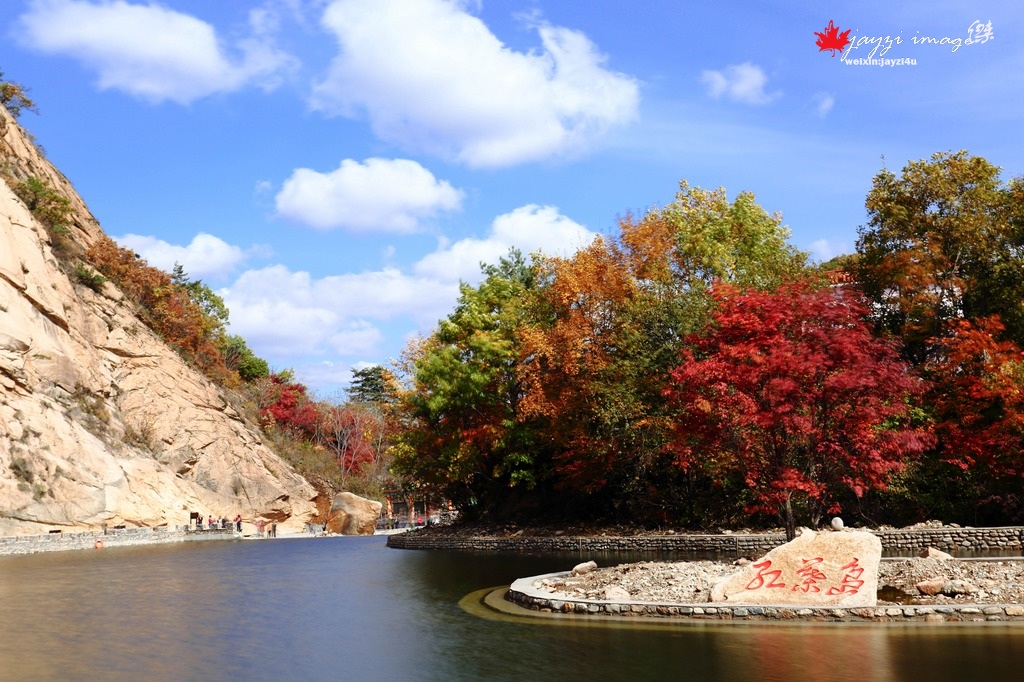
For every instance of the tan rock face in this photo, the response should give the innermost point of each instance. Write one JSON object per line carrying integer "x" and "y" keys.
{"x": 353, "y": 515}
{"x": 101, "y": 422}
{"x": 827, "y": 569}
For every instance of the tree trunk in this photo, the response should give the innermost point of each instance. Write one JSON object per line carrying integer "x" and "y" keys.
{"x": 790, "y": 521}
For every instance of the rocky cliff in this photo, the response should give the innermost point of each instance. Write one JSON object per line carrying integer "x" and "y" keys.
{"x": 100, "y": 421}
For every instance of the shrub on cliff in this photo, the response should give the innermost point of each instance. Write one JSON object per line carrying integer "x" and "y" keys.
{"x": 14, "y": 97}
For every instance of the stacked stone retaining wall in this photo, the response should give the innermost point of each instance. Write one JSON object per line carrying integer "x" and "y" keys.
{"x": 902, "y": 541}
{"x": 120, "y": 537}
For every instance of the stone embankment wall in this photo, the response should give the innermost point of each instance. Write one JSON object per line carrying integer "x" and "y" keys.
{"x": 952, "y": 539}
{"x": 122, "y": 537}
{"x": 523, "y": 593}
{"x": 903, "y": 541}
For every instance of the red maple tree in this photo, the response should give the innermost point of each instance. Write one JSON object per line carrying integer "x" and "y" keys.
{"x": 790, "y": 391}
{"x": 288, "y": 406}
{"x": 832, "y": 39}
{"x": 978, "y": 397}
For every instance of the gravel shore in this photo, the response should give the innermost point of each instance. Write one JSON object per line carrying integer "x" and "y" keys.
{"x": 974, "y": 581}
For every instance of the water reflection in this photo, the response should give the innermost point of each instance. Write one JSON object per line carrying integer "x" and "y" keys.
{"x": 349, "y": 608}
{"x": 810, "y": 651}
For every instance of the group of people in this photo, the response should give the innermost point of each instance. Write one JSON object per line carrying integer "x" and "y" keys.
{"x": 261, "y": 529}
{"x": 222, "y": 523}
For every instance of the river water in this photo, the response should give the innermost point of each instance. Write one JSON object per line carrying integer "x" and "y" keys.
{"x": 352, "y": 609}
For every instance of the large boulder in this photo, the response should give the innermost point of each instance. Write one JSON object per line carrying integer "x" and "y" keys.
{"x": 814, "y": 569}
{"x": 353, "y": 515}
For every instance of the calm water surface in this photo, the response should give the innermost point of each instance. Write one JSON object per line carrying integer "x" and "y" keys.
{"x": 352, "y": 609}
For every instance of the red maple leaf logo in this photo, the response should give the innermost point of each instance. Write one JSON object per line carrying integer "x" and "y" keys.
{"x": 832, "y": 39}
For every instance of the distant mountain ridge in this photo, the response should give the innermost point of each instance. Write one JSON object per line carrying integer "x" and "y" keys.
{"x": 100, "y": 421}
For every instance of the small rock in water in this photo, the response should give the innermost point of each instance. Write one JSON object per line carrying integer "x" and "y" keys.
{"x": 932, "y": 553}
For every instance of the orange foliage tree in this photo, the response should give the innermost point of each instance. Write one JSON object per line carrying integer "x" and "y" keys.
{"x": 569, "y": 358}
{"x": 356, "y": 434}
{"x": 166, "y": 307}
{"x": 944, "y": 241}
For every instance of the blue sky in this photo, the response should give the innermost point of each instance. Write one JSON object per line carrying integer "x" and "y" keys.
{"x": 333, "y": 168}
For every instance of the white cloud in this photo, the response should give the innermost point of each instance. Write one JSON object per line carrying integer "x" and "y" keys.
{"x": 384, "y": 195}
{"x": 824, "y": 249}
{"x": 432, "y": 77}
{"x": 528, "y": 228}
{"x": 823, "y": 103}
{"x": 285, "y": 314}
{"x": 326, "y": 379}
{"x": 357, "y": 338}
{"x": 153, "y": 52}
{"x": 205, "y": 256}
{"x": 291, "y": 313}
{"x": 276, "y": 328}
{"x": 742, "y": 83}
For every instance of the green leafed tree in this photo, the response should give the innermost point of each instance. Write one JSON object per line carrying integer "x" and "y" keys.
{"x": 702, "y": 238}
{"x": 463, "y": 437}
{"x": 944, "y": 241}
{"x": 372, "y": 385}
{"x": 239, "y": 357}
{"x": 46, "y": 203}
{"x": 214, "y": 309}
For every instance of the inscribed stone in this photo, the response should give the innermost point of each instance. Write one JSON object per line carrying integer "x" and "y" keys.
{"x": 823, "y": 569}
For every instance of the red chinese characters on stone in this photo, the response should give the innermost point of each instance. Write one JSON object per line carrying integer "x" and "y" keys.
{"x": 810, "y": 574}
{"x": 764, "y": 577}
{"x": 851, "y": 582}
{"x": 808, "y": 577}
